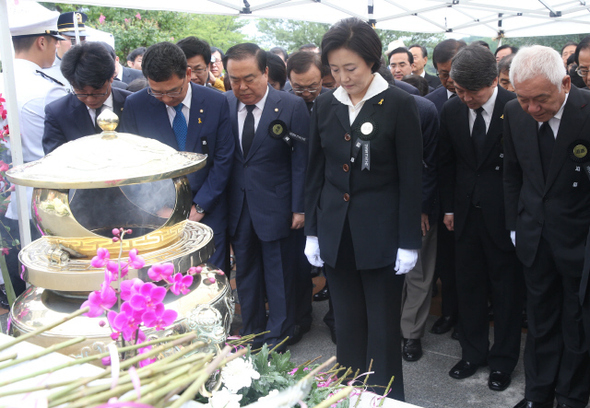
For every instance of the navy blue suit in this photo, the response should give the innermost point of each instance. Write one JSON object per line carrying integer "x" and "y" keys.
{"x": 67, "y": 119}
{"x": 439, "y": 96}
{"x": 266, "y": 187}
{"x": 209, "y": 132}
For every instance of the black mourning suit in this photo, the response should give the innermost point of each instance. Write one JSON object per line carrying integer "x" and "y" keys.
{"x": 551, "y": 219}
{"x": 471, "y": 188}
{"x": 361, "y": 218}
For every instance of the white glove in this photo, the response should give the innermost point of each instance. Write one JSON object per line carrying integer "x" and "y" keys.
{"x": 513, "y": 238}
{"x": 406, "y": 260}
{"x": 312, "y": 252}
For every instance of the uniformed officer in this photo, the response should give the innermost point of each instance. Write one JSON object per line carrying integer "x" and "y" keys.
{"x": 67, "y": 28}
{"x": 34, "y": 36}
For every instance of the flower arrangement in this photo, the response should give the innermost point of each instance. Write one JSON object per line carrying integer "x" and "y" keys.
{"x": 7, "y": 241}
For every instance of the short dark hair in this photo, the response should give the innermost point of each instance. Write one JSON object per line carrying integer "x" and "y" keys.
{"x": 301, "y": 61}
{"x": 567, "y": 44}
{"x": 513, "y": 50}
{"x": 326, "y": 70}
{"x": 446, "y": 50}
{"x": 474, "y": 67}
{"x": 402, "y": 50}
{"x": 422, "y": 48}
{"x": 137, "y": 84}
{"x": 193, "y": 46}
{"x": 276, "y": 68}
{"x": 23, "y": 43}
{"x": 246, "y": 50}
{"x": 505, "y": 63}
{"x": 280, "y": 51}
{"x": 357, "y": 36}
{"x": 136, "y": 53}
{"x": 87, "y": 64}
{"x": 109, "y": 49}
{"x": 163, "y": 60}
{"x": 418, "y": 82}
{"x": 215, "y": 49}
{"x": 386, "y": 74}
{"x": 309, "y": 46}
{"x": 481, "y": 43}
{"x": 583, "y": 45}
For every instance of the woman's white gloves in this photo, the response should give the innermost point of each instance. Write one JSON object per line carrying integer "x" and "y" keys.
{"x": 312, "y": 251}
{"x": 406, "y": 260}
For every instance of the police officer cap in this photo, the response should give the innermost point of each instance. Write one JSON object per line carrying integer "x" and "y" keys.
{"x": 27, "y": 18}
{"x": 65, "y": 23}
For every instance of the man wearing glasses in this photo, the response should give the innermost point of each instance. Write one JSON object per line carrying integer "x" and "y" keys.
{"x": 89, "y": 69}
{"x": 583, "y": 59}
{"x": 198, "y": 55}
{"x": 190, "y": 118}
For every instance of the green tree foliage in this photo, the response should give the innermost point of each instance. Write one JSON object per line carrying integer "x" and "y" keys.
{"x": 141, "y": 28}
{"x": 289, "y": 34}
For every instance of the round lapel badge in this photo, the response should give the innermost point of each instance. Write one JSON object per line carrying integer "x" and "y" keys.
{"x": 578, "y": 151}
{"x": 367, "y": 130}
{"x": 278, "y": 129}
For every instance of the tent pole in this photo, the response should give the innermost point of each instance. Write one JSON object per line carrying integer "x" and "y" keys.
{"x": 13, "y": 120}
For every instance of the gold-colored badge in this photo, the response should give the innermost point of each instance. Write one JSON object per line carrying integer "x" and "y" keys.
{"x": 580, "y": 151}
{"x": 277, "y": 129}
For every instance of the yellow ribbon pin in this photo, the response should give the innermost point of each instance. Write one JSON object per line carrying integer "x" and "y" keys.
{"x": 502, "y": 117}
{"x": 200, "y": 121}
{"x": 380, "y": 102}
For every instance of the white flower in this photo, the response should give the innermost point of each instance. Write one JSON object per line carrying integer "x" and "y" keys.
{"x": 224, "y": 399}
{"x": 270, "y": 395}
{"x": 238, "y": 374}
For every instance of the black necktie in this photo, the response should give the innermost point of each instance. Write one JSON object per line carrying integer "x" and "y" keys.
{"x": 97, "y": 112}
{"x": 546, "y": 143}
{"x": 478, "y": 134}
{"x": 248, "y": 131}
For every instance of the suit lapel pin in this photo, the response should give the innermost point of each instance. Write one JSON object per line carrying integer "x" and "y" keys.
{"x": 200, "y": 121}
{"x": 201, "y": 110}
{"x": 502, "y": 117}
{"x": 276, "y": 109}
{"x": 380, "y": 102}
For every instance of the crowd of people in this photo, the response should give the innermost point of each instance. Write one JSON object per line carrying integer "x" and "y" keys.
{"x": 355, "y": 162}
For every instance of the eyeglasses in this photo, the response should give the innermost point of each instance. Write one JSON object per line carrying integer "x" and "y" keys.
{"x": 171, "y": 94}
{"x": 582, "y": 71}
{"x": 92, "y": 95}
{"x": 299, "y": 91}
{"x": 198, "y": 70}
{"x": 443, "y": 75}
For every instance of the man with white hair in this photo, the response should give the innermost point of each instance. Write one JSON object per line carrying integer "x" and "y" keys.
{"x": 547, "y": 195}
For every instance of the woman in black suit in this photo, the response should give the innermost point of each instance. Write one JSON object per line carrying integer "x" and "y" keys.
{"x": 363, "y": 199}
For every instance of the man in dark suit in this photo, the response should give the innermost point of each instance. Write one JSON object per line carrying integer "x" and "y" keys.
{"x": 89, "y": 69}
{"x": 445, "y": 256}
{"x": 472, "y": 200}
{"x": 191, "y": 118}
{"x": 265, "y": 192}
{"x": 420, "y": 59}
{"x": 547, "y": 137}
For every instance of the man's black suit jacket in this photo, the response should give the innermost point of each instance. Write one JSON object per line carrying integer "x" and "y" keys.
{"x": 130, "y": 74}
{"x": 558, "y": 209}
{"x": 382, "y": 205}
{"x": 67, "y": 119}
{"x": 461, "y": 173}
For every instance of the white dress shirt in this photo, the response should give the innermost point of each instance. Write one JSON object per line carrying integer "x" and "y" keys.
{"x": 488, "y": 109}
{"x": 378, "y": 85}
{"x": 186, "y": 107}
{"x": 256, "y": 112}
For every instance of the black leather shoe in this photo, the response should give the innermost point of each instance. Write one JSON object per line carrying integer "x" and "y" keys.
{"x": 412, "y": 350}
{"x": 455, "y": 334}
{"x": 443, "y": 325}
{"x": 463, "y": 369}
{"x": 322, "y": 295}
{"x": 562, "y": 405}
{"x": 498, "y": 381}
{"x": 530, "y": 404}
{"x": 297, "y": 336}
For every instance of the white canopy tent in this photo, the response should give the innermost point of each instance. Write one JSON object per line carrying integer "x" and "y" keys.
{"x": 487, "y": 18}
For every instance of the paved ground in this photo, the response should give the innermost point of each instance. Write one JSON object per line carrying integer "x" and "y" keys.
{"x": 426, "y": 381}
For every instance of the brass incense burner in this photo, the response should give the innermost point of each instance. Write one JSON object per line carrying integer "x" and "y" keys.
{"x": 83, "y": 190}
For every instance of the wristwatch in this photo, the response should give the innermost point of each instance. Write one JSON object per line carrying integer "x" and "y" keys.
{"x": 199, "y": 209}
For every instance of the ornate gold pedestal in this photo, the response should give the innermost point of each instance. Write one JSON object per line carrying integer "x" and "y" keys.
{"x": 83, "y": 190}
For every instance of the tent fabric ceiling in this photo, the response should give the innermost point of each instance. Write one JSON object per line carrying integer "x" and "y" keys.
{"x": 486, "y": 18}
